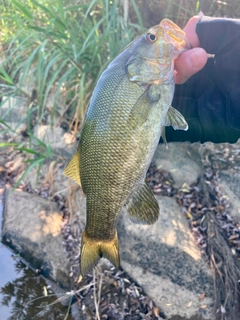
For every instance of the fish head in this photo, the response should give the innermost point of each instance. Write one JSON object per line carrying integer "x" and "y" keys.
{"x": 154, "y": 52}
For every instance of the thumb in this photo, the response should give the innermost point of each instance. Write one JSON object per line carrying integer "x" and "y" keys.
{"x": 189, "y": 63}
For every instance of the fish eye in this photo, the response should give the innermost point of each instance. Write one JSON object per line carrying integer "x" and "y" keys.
{"x": 151, "y": 37}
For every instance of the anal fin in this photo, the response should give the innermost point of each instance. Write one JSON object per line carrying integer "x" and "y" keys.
{"x": 142, "y": 206}
{"x": 93, "y": 250}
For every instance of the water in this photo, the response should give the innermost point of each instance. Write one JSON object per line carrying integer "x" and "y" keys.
{"x": 8, "y": 274}
{"x": 22, "y": 290}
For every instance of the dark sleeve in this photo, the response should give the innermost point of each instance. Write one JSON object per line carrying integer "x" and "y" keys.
{"x": 210, "y": 100}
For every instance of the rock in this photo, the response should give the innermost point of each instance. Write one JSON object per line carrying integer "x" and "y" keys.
{"x": 27, "y": 81}
{"x": 50, "y": 173}
{"x": 12, "y": 110}
{"x": 51, "y": 170}
{"x": 48, "y": 134}
{"x": 14, "y": 116}
{"x": 32, "y": 228}
{"x": 182, "y": 160}
{"x": 61, "y": 142}
{"x": 225, "y": 159}
{"x": 229, "y": 181}
{"x": 164, "y": 259}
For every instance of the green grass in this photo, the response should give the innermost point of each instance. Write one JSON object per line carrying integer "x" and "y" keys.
{"x": 58, "y": 50}
{"x": 64, "y": 48}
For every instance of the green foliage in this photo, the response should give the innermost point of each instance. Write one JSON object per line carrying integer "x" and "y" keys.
{"x": 57, "y": 50}
{"x": 37, "y": 152}
{"x": 63, "y": 48}
{"x": 179, "y": 11}
{"x": 218, "y": 8}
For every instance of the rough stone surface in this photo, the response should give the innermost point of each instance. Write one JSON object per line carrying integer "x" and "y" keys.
{"x": 13, "y": 113}
{"x": 182, "y": 160}
{"x": 164, "y": 259}
{"x": 32, "y": 228}
{"x": 13, "y": 110}
{"x": 52, "y": 170}
{"x": 60, "y": 141}
{"x": 47, "y": 134}
{"x": 230, "y": 183}
{"x": 52, "y": 174}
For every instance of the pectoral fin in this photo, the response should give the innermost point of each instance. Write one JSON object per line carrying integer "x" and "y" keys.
{"x": 72, "y": 169}
{"x": 142, "y": 206}
{"x": 175, "y": 119}
{"x": 145, "y": 104}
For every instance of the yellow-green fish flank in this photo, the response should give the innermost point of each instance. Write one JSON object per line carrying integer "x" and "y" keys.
{"x": 128, "y": 111}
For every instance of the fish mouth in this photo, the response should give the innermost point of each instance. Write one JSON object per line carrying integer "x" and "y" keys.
{"x": 175, "y": 35}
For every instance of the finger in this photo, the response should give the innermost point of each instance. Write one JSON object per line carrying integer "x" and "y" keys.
{"x": 190, "y": 30}
{"x": 189, "y": 63}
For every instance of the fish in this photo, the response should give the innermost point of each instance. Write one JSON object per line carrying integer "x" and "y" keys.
{"x": 127, "y": 113}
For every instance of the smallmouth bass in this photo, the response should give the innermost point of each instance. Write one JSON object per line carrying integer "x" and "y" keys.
{"x": 127, "y": 113}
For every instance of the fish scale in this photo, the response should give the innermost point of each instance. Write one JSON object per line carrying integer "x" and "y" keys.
{"x": 128, "y": 110}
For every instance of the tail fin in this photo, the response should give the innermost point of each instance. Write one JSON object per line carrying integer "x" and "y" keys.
{"x": 93, "y": 250}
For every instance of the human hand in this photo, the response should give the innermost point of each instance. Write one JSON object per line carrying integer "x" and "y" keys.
{"x": 193, "y": 60}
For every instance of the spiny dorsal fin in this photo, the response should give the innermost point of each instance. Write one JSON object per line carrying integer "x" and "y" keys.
{"x": 93, "y": 250}
{"x": 72, "y": 169}
{"x": 175, "y": 119}
{"x": 142, "y": 206}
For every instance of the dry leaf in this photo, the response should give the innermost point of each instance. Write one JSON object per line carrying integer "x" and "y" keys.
{"x": 189, "y": 305}
{"x": 189, "y": 215}
{"x": 223, "y": 310}
{"x": 45, "y": 291}
{"x": 156, "y": 311}
{"x": 202, "y": 296}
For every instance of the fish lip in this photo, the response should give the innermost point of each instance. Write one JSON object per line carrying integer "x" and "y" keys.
{"x": 175, "y": 35}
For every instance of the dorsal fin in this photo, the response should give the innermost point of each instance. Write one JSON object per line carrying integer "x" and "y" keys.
{"x": 72, "y": 169}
